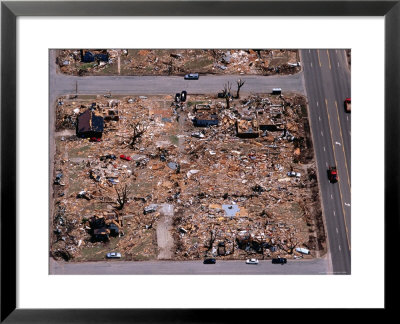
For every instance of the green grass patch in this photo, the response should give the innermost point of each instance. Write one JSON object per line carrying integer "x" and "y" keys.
{"x": 86, "y": 66}
{"x": 194, "y": 103}
{"x": 79, "y": 151}
{"x": 98, "y": 252}
{"x": 198, "y": 64}
{"x": 174, "y": 139}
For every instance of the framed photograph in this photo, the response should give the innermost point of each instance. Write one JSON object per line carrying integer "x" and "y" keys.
{"x": 176, "y": 153}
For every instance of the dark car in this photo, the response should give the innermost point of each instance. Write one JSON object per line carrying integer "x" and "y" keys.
{"x": 332, "y": 174}
{"x": 209, "y": 261}
{"x": 183, "y": 96}
{"x": 192, "y": 76}
{"x": 279, "y": 261}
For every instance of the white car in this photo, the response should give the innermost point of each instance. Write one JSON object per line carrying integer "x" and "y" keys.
{"x": 251, "y": 261}
{"x": 113, "y": 255}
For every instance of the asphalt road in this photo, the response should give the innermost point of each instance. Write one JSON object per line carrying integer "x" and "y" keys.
{"x": 152, "y": 85}
{"x": 116, "y": 267}
{"x": 327, "y": 81}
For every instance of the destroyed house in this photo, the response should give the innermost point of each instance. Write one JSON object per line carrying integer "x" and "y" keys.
{"x": 100, "y": 235}
{"x": 247, "y": 128}
{"x": 114, "y": 229}
{"x": 89, "y": 124}
{"x": 99, "y": 229}
{"x": 89, "y": 57}
{"x": 271, "y": 121}
{"x": 205, "y": 116}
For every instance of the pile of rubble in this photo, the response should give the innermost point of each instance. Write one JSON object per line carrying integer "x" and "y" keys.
{"x": 178, "y": 62}
{"x": 241, "y": 181}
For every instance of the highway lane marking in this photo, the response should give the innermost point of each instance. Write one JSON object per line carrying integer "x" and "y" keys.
{"x": 337, "y": 64}
{"x": 340, "y": 249}
{"x": 322, "y": 133}
{"x": 331, "y": 196}
{"x": 309, "y": 51}
{"x": 324, "y": 149}
{"x": 347, "y": 117}
{"x": 319, "y": 117}
{"x": 320, "y": 65}
{"x": 334, "y": 213}
{"x": 337, "y": 231}
{"x": 340, "y": 191}
{"x": 311, "y": 64}
{"x": 329, "y": 59}
{"x": 317, "y": 103}
{"x": 345, "y": 158}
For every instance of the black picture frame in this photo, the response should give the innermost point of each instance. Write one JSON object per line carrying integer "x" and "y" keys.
{"x": 10, "y": 10}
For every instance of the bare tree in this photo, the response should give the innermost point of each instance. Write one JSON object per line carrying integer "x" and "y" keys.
{"x": 213, "y": 236}
{"x": 138, "y": 130}
{"x": 240, "y": 84}
{"x": 170, "y": 65}
{"x": 227, "y": 93}
{"x": 290, "y": 244}
{"x": 122, "y": 197}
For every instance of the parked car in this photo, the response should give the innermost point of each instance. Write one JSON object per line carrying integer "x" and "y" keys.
{"x": 279, "y": 261}
{"x": 209, "y": 261}
{"x": 251, "y": 261}
{"x": 111, "y": 156}
{"x": 183, "y": 96}
{"x": 192, "y": 76}
{"x": 113, "y": 255}
{"x": 125, "y": 157}
{"x": 276, "y": 91}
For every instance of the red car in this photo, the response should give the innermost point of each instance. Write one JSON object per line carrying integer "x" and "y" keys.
{"x": 347, "y": 105}
{"x": 95, "y": 139}
{"x": 332, "y": 174}
{"x": 125, "y": 157}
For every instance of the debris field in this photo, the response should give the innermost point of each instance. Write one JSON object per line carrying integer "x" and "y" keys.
{"x": 178, "y": 61}
{"x": 175, "y": 179}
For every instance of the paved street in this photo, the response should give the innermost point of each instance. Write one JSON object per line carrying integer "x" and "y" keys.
{"x": 152, "y": 85}
{"x": 325, "y": 80}
{"x": 294, "y": 267}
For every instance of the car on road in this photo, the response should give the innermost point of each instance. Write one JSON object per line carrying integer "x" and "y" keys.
{"x": 279, "y": 261}
{"x": 125, "y": 157}
{"x": 251, "y": 261}
{"x": 209, "y": 261}
{"x": 192, "y": 76}
{"x": 332, "y": 174}
{"x": 347, "y": 105}
{"x": 276, "y": 91}
{"x": 113, "y": 255}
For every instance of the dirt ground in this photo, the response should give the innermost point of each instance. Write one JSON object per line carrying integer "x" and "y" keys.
{"x": 230, "y": 196}
{"x": 180, "y": 62}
